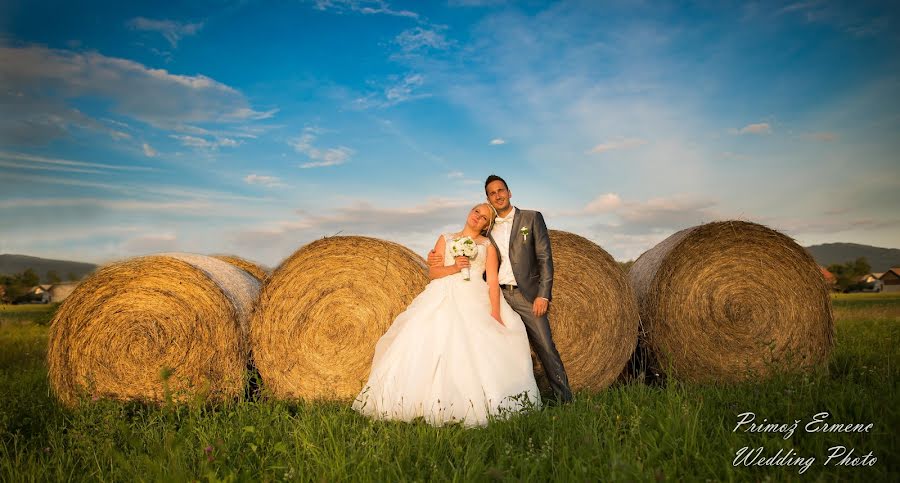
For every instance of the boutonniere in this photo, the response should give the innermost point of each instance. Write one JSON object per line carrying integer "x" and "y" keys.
{"x": 524, "y": 232}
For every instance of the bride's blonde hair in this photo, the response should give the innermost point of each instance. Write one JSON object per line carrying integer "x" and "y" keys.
{"x": 491, "y": 217}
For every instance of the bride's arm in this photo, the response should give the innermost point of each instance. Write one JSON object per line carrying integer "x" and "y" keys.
{"x": 439, "y": 271}
{"x": 492, "y": 267}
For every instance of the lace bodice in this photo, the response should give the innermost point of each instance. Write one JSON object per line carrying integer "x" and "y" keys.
{"x": 477, "y": 264}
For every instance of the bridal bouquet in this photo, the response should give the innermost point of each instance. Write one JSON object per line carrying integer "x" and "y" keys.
{"x": 464, "y": 247}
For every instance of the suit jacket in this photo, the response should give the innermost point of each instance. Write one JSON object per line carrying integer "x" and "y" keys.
{"x": 531, "y": 258}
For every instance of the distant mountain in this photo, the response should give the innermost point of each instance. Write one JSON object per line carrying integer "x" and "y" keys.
{"x": 881, "y": 259}
{"x": 12, "y": 264}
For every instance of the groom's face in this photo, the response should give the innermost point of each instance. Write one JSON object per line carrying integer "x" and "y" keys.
{"x": 498, "y": 195}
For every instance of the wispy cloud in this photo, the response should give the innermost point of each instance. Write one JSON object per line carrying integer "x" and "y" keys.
{"x": 419, "y": 39}
{"x": 461, "y": 177}
{"x": 149, "y": 151}
{"x": 756, "y": 128}
{"x": 267, "y": 181}
{"x": 46, "y": 81}
{"x": 365, "y": 7}
{"x": 497, "y": 142}
{"x": 203, "y": 143}
{"x": 841, "y": 16}
{"x": 190, "y": 206}
{"x": 171, "y": 30}
{"x": 415, "y": 226}
{"x": 402, "y": 90}
{"x": 628, "y": 143}
{"x": 20, "y": 159}
{"x": 38, "y": 167}
{"x": 320, "y": 157}
{"x": 475, "y": 3}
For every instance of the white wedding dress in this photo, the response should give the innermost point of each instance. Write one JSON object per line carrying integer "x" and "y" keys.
{"x": 447, "y": 360}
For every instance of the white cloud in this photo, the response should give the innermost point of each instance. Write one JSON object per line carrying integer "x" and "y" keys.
{"x": 757, "y": 128}
{"x": 149, "y": 151}
{"x": 172, "y": 31}
{"x": 497, "y": 142}
{"x": 320, "y": 157}
{"x": 203, "y": 143}
{"x": 617, "y": 144}
{"x": 48, "y": 80}
{"x": 455, "y": 174}
{"x": 604, "y": 203}
{"x": 651, "y": 216}
{"x": 365, "y": 7}
{"x": 401, "y": 91}
{"x": 267, "y": 181}
{"x": 418, "y": 38}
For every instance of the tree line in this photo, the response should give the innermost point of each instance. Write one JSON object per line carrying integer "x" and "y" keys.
{"x": 848, "y": 273}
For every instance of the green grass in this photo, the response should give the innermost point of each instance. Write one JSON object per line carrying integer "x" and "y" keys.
{"x": 629, "y": 432}
{"x": 27, "y": 314}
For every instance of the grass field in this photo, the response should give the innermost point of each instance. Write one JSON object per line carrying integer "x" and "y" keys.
{"x": 628, "y": 432}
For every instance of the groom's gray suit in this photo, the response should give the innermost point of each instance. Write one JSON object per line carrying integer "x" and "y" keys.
{"x": 532, "y": 265}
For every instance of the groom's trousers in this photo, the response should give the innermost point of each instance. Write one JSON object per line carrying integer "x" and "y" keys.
{"x": 538, "y": 329}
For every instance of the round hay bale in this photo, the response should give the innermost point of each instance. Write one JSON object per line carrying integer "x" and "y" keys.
{"x": 730, "y": 301}
{"x": 321, "y": 312}
{"x": 171, "y": 324}
{"x": 593, "y": 315}
{"x": 257, "y": 271}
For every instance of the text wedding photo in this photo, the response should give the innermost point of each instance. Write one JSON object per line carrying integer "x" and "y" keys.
{"x": 459, "y": 240}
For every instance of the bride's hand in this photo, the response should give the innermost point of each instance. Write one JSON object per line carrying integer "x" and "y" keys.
{"x": 496, "y": 317}
{"x": 435, "y": 260}
{"x": 462, "y": 262}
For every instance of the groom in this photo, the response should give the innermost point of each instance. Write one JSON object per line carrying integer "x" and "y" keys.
{"x": 526, "y": 276}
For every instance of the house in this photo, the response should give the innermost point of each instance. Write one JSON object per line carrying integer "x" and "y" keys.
{"x": 870, "y": 277}
{"x": 38, "y": 294}
{"x": 59, "y": 291}
{"x": 830, "y": 279}
{"x": 891, "y": 280}
{"x": 47, "y": 293}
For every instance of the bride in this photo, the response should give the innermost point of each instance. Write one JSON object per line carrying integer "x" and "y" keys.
{"x": 459, "y": 353}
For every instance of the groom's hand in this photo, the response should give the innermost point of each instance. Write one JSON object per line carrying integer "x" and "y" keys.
{"x": 540, "y": 306}
{"x": 435, "y": 260}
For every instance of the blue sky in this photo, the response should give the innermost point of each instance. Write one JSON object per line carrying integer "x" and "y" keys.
{"x": 253, "y": 128}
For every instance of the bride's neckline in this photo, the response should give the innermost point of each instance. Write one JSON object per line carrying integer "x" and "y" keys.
{"x": 478, "y": 239}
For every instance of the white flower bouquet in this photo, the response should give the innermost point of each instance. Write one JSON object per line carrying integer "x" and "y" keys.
{"x": 464, "y": 246}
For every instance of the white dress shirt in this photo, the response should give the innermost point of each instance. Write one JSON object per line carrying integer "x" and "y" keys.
{"x": 501, "y": 233}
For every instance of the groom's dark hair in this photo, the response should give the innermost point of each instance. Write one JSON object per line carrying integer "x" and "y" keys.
{"x": 491, "y": 179}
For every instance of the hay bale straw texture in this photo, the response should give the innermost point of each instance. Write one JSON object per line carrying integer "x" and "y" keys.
{"x": 322, "y": 311}
{"x": 257, "y": 271}
{"x": 732, "y": 300}
{"x": 593, "y": 315}
{"x": 136, "y": 329}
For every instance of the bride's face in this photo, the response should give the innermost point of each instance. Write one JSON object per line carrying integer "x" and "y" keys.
{"x": 479, "y": 217}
